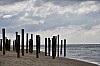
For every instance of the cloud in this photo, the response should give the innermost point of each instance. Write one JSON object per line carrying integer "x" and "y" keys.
{"x": 53, "y": 19}
{"x": 13, "y": 8}
{"x": 79, "y": 8}
{"x": 78, "y": 19}
{"x": 74, "y": 34}
{"x": 7, "y": 16}
{"x": 7, "y": 2}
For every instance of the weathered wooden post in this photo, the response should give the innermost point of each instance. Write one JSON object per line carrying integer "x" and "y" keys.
{"x": 32, "y": 36}
{"x": 45, "y": 46}
{"x": 31, "y": 43}
{"x": 58, "y": 45}
{"x": 13, "y": 45}
{"x": 22, "y": 42}
{"x": 0, "y": 44}
{"x": 39, "y": 42}
{"x": 6, "y": 44}
{"x": 64, "y": 47}
{"x": 37, "y": 46}
{"x": 3, "y": 36}
{"x": 18, "y": 46}
{"x": 54, "y": 47}
{"x": 30, "y": 46}
{"x": 15, "y": 40}
{"x": 27, "y": 43}
{"x": 61, "y": 47}
{"x": 55, "y": 43}
{"x": 49, "y": 45}
{"x": 9, "y": 42}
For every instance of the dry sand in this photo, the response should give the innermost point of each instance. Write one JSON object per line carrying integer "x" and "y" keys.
{"x": 10, "y": 59}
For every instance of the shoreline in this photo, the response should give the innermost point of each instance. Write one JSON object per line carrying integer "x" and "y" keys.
{"x": 79, "y": 60}
{"x": 85, "y": 61}
{"x": 10, "y": 58}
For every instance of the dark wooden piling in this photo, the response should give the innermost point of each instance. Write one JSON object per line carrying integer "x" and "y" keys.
{"x": 15, "y": 40}
{"x": 3, "y": 36}
{"x": 22, "y": 42}
{"x": 45, "y": 46}
{"x": 55, "y": 44}
{"x": 37, "y": 46}
{"x": 27, "y": 43}
{"x": 64, "y": 47}
{"x": 49, "y": 45}
{"x": 39, "y": 42}
{"x": 18, "y": 46}
{"x": 30, "y": 46}
{"x": 0, "y": 44}
{"x": 32, "y": 36}
{"x": 6, "y": 44}
{"x": 54, "y": 47}
{"x": 61, "y": 47}
{"x": 31, "y": 43}
{"x": 9, "y": 43}
{"x": 58, "y": 45}
{"x": 13, "y": 45}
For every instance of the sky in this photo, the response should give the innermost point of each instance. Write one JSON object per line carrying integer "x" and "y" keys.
{"x": 78, "y": 21}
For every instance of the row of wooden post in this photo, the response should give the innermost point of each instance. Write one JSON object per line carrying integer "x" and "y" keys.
{"x": 16, "y": 45}
{"x": 6, "y": 42}
{"x": 54, "y": 46}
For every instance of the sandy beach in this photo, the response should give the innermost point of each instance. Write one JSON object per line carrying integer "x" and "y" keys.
{"x": 10, "y": 59}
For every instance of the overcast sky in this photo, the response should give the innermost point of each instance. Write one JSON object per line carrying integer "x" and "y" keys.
{"x": 77, "y": 21}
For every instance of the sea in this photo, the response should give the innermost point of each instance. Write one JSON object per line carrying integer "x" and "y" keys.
{"x": 83, "y": 52}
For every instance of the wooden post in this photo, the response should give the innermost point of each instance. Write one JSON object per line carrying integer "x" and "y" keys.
{"x": 61, "y": 47}
{"x": 32, "y": 36}
{"x": 58, "y": 45}
{"x": 18, "y": 46}
{"x": 55, "y": 43}
{"x": 37, "y": 46}
{"x": 31, "y": 43}
{"x": 0, "y": 44}
{"x": 45, "y": 46}
{"x": 6, "y": 44}
{"x": 22, "y": 42}
{"x": 39, "y": 42}
{"x": 64, "y": 47}
{"x": 30, "y": 46}
{"x": 15, "y": 40}
{"x": 3, "y": 36}
{"x": 49, "y": 45}
{"x": 27, "y": 43}
{"x": 13, "y": 45}
{"x": 54, "y": 47}
{"x": 9, "y": 43}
